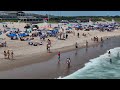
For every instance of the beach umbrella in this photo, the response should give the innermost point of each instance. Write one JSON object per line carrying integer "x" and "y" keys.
{"x": 50, "y": 28}
{"x": 34, "y": 28}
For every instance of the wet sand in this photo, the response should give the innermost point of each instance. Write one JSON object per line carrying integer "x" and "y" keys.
{"x": 49, "y": 69}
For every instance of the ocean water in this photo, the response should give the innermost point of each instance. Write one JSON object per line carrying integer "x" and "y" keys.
{"x": 100, "y": 67}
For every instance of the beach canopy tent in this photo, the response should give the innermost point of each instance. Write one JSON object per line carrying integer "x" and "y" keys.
{"x": 11, "y": 35}
{"x": 23, "y": 34}
{"x": 19, "y": 35}
{"x": 52, "y": 32}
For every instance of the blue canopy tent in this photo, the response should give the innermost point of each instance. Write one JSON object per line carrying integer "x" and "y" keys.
{"x": 12, "y": 35}
{"x": 52, "y": 32}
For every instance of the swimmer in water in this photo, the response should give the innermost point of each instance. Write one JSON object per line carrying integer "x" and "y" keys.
{"x": 110, "y": 60}
{"x": 118, "y": 55}
{"x": 109, "y": 52}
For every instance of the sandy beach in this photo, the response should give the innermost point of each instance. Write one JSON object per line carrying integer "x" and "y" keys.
{"x": 50, "y": 64}
{"x": 26, "y": 54}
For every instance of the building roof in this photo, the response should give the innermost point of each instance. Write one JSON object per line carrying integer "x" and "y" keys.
{"x": 8, "y": 12}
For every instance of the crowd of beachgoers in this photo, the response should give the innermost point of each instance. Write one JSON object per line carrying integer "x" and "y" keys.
{"x": 18, "y": 39}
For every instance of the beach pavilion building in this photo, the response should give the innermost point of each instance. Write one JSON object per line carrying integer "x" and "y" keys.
{"x": 21, "y": 16}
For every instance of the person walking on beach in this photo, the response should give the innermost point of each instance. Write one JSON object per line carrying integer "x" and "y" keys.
{"x": 49, "y": 42}
{"x": 5, "y": 54}
{"x": 101, "y": 39}
{"x": 47, "y": 48}
{"x": 66, "y": 35}
{"x": 8, "y": 54}
{"x": 5, "y": 44}
{"x": 68, "y": 62}
{"x": 78, "y": 34}
{"x": 86, "y": 43}
{"x": 58, "y": 57}
{"x": 76, "y": 45}
{"x": 12, "y": 54}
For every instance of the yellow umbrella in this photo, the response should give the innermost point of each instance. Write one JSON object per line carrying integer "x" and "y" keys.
{"x": 50, "y": 28}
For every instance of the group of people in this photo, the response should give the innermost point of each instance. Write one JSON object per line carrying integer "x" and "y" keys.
{"x": 68, "y": 60}
{"x": 8, "y": 54}
{"x": 96, "y": 39}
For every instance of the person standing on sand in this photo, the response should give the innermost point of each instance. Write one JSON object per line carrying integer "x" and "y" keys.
{"x": 76, "y": 45}
{"x": 47, "y": 47}
{"x": 86, "y": 43}
{"x": 8, "y": 53}
{"x": 49, "y": 42}
{"x": 5, "y": 54}
{"x": 66, "y": 35}
{"x": 101, "y": 39}
{"x": 78, "y": 34}
{"x": 5, "y": 44}
{"x": 12, "y": 54}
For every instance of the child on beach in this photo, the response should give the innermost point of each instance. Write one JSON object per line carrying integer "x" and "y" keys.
{"x": 8, "y": 53}
{"x": 12, "y": 54}
{"x": 5, "y": 54}
{"x": 68, "y": 62}
{"x": 58, "y": 57}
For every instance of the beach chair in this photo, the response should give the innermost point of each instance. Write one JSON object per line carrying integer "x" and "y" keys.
{"x": 30, "y": 43}
{"x": 35, "y": 44}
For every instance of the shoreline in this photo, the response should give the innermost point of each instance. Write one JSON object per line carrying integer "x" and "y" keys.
{"x": 50, "y": 69}
{"x": 33, "y": 59}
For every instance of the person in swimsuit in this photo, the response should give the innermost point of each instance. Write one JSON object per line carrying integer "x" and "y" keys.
{"x": 5, "y": 54}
